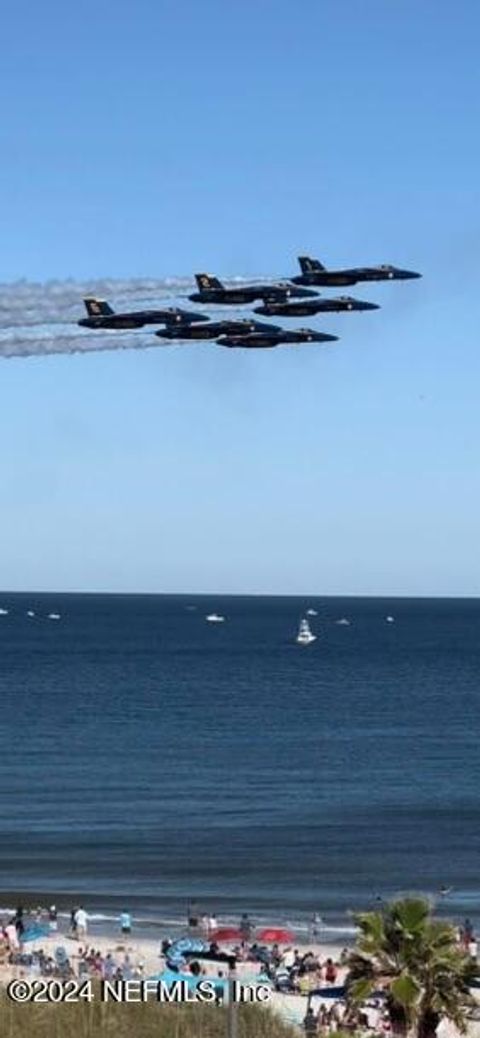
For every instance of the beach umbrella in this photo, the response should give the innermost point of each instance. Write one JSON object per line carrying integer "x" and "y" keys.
{"x": 187, "y": 944}
{"x": 226, "y": 933}
{"x": 35, "y": 932}
{"x": 275, "y": 935}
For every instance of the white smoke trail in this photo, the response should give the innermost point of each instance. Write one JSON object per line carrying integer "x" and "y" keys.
{"x": 37, "y": 319}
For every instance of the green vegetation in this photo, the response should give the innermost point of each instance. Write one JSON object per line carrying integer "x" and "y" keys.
{"x": 416, "y": 957}
{"x": 150, "y": 1020}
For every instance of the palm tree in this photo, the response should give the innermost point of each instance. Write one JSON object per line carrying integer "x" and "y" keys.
{"x": 416, "y": 960}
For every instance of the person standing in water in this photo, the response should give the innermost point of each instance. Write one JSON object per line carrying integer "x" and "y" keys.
{"x": 125, "y": 923}
{"x": 52, "y": 919}
{"x": 192, "y": 915}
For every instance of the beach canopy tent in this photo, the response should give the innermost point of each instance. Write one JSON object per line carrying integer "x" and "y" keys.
{"x": 170, "y": 977}
{"x": 183, "y": 946}
{"x": 275, "y": 935}
{"x": 221, "y": 984}
{"x": 35, "y": 933}
{"x": 188, "y": 944}
{"x": 176, "y": 959}
{"x": 331, "y": 992}
{"x": 213, "y": 956}
{"x": 227, "y": 933}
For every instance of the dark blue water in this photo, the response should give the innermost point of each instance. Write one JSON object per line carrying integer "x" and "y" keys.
{"x": 147, "y": 756}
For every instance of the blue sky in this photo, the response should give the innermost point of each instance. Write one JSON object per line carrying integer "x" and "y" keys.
{"x": 156, "y": 139}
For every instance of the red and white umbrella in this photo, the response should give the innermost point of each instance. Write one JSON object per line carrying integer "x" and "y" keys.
{"x": 275, "y": 935}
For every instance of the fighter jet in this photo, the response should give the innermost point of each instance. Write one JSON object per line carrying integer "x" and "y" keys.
{"x": 313, "y": 273}
{"x": 101, "y": 315}
{"x": 275, "y": 337}
{"x": 211, "y": 290}
{"x": 309, "y": 307}
{"x": 214, "y": 329}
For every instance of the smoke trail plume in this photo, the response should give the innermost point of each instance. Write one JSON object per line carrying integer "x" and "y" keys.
{"x": 39, "y": 319}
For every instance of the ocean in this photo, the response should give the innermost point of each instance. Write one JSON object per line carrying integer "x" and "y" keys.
{"x": 148, "y": 757}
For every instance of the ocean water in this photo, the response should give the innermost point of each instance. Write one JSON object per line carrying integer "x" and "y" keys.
{"x": 148, "y": 757}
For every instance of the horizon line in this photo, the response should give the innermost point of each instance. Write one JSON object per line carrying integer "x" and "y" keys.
{"x": 246, "y": 594}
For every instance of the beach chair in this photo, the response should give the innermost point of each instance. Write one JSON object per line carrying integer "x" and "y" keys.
{"x": 62, "y": 962}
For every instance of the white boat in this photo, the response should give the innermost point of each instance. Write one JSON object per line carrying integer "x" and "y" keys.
{"x": 30, "y": 612}
{"x": 343, "y": 622}
{"x": 214, "y": 618}
{"x": 312, "y": 612}
{"x": 3, "y": 612}
{"x": 305, "y": 636}
{"x": 54, "y": 616}
{"x": 390, "y": 619}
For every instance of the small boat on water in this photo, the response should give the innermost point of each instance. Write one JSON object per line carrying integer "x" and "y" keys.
{"x": 30, "y": 612}
{"x": 54, "y": 616}
{"x": 305, "y": 636}
{"x": 3, "y": 612}
{"x": 312, "y": 612}
{"x": 390, "y": 619}
{"x": 343, "y": 622}
{"x": 215, "y": 618}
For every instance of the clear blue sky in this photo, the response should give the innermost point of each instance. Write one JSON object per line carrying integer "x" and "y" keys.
{"x": 157, "y": 138}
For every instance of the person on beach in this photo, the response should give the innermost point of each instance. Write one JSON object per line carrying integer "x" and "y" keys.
{"x": 288, "y": 958}
{"x": 310, "y": 1022}
{"x": 11, "y": 935}
{"x": 330, "y": 972}
{"x": 109, "y": 967}
{"x": 81, "y": 923}
{"x": 212, "y": 923}
{"x": 245, "y": 927}
{"x": 18, "y": 923}
{"x": 73, "y": 925}
{"x": 315, "y": 924}
{"x": 125, "y": 923}
{"x": 192, "y": 915}
{"x": 52, "y": 919}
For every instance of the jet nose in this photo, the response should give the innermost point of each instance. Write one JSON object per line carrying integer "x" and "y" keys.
{"x": 408, "y": 275}
{"x": 370, "y": 306}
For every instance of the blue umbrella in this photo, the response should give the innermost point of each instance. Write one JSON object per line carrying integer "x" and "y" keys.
{"x": 169, "y": 977}
{"x": 34, "y": 932}
{"x": 188, "y": 944}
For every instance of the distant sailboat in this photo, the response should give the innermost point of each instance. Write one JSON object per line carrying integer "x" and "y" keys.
{"x": 54, "y": 616}
{"x": 215, "y": 618}
{"x": 390, "y": 619}
{"x": 30, "y": 612}
{"x": 343, "y": 622}
{"x": 312, "y": 612}
{"x": 3, "y": 612}
{"x": 305, "y": 636}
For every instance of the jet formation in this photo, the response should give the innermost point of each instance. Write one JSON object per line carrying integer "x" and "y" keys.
{"x": 295, "y": 297}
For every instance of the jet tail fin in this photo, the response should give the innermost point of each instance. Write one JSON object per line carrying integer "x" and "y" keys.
{"x": 97, "y": 307}
{"x": 307, "y": 265}
{"x": 207, "y": 281}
